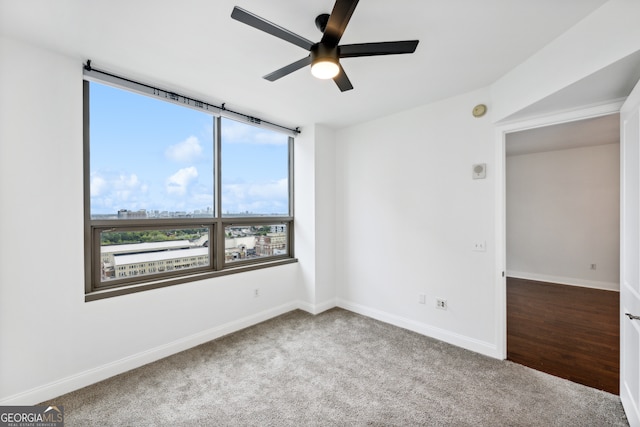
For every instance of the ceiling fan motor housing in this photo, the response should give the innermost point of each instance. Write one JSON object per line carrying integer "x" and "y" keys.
{"x": 322, "y": 52}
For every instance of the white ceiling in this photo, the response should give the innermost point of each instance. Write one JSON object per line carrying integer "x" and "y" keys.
{"x": 613, "y": 82}
{"x": 194, "y": 47}
{"x": 577, "y": 134}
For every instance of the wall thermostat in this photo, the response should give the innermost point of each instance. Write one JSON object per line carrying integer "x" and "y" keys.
{"x": 479, "y": 171}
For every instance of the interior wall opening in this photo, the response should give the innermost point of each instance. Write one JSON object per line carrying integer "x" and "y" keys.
{"x": 562, "y": 249}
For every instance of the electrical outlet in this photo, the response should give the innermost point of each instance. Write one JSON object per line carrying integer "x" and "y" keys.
{"x": 256, "y": 292}
{"x": 593, "y": 266}
{"x": 422, "y": 299}
{"x": 441, "y": 303}
{"x": 480, "y": 246}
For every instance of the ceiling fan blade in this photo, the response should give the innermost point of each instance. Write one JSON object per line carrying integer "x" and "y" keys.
{"x": 342, "y": 80}
{"x": 338, "y": 20}
{"x": 375, "y": 49}
{"x": 262, "y": 24}
{"x": 288, "y": 69}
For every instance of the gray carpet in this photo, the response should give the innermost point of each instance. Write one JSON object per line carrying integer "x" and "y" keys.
{"x": 336, "y": 369}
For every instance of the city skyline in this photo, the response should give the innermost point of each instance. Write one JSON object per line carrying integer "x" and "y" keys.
{"x": 207, "y": 212}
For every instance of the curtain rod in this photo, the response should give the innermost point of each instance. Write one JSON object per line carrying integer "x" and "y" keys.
{"x": 173, "y": 95}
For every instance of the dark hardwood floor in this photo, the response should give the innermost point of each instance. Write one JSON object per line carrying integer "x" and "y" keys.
{"x": 567, "y": 331}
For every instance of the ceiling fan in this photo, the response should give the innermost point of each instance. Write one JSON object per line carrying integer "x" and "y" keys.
{"x": 324, "y": 56}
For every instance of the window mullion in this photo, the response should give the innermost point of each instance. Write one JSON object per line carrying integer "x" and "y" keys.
{"x": 217, "y": 166}
{"x": 217, "y": 185}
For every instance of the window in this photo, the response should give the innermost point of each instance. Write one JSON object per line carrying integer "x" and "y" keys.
{"x": 254, "y": 241}
{"x": 254, "y": 171}
{"x": 176, "y": 192}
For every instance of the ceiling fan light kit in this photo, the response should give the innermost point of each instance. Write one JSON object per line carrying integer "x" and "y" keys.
{"x": 324, "y": 61}
{"x": 325, "y": 69}
{"x": 324, "y": 56}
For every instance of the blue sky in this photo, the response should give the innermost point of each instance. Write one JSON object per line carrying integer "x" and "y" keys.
{"x": 154, "y": 155}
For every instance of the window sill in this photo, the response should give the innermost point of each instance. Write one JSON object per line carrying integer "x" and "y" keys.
{"x": 129, "y": 289}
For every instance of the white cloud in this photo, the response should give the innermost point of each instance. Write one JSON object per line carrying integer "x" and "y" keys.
{"x": 98, "y": 185}
{"x": 271, "y": 190}
{"x": 126, "y": 185}
{"x": 260, "y": 198}
{"x": 177, "y": 183}
{"x": 130, "y": 181}
{"x": 110, "y": 192}
{"x": 239, "y": 133}
{"x": 186, "y": 151}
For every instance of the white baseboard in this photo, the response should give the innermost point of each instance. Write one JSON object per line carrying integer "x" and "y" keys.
{"x": 100, "y": 373}
{"x": 317, "y": 308}
{"x": 571, "y": 281}
{"x": 482, "y": 347}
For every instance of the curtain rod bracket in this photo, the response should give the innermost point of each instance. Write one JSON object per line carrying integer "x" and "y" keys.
{"x": 88, "y": 66}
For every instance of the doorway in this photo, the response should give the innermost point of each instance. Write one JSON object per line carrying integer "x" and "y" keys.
{"x": 562, "y": 249}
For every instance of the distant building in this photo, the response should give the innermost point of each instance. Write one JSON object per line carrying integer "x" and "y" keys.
{"x": 135, "y": 259}
{"x": 203, "y": 213}
{"x": 120, "y": 261}
{"x": 127, "y": 214}
{"x": 271, "y": 244}
{"x": 160, "y": 262}
{"x": 236, "y": 248}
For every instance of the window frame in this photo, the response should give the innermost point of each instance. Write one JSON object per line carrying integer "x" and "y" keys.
{"x": 96, "y": 289}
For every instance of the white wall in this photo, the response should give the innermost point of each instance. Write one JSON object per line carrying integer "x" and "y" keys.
{"x": 305, "y": 213}
{"x": 51, "y": 341}
{"x": 325, "y": 225}
{"x": 315, "y": 213}
{"x": 409, "y": 214}
{"x": 563, "y": 215}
